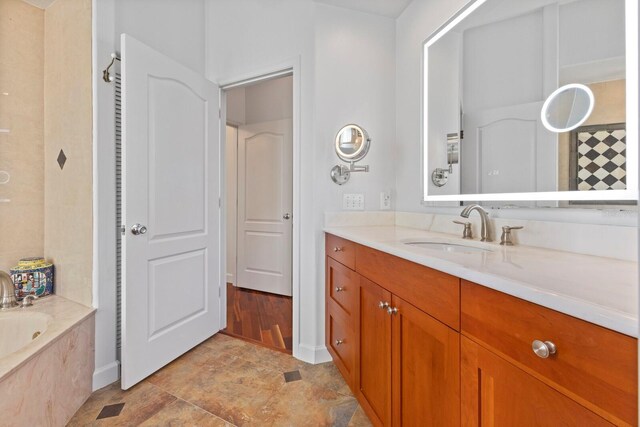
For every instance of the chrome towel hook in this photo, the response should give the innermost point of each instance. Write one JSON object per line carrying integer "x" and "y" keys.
{"x": 106, "y": 76}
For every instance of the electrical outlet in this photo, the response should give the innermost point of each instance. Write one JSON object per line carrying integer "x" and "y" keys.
{"x": 385, "y": 200}
{"x": 353, "y": 202}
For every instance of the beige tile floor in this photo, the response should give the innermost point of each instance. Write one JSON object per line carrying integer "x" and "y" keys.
{"x": 226, "y": 382}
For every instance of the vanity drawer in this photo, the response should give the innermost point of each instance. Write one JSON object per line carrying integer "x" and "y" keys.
{"x": 595, "y": 366}
{"x": 342, "y": 285}
{"x": 340, "y": 341}
{"x": 341, "y": 250}
{"x": 434, "y": 292}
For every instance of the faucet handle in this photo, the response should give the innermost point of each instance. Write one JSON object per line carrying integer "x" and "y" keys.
{"x": 28, "y": 301}
{"x": 466, "y": 233}
{"x": 505, "y": 238}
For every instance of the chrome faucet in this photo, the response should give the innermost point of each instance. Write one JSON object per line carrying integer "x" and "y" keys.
{"x": 7, "y": 292}
{"x": 484, "y": 217}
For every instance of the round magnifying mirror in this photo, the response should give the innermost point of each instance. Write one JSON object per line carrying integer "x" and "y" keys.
{"x": 567, "y": 107}
{"x": 352, "y": 143}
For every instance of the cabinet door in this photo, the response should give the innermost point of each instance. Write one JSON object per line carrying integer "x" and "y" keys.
{"x": 497, "y": 393}
{"x": 373, "y": 373}
{"x": 426, "y": 369}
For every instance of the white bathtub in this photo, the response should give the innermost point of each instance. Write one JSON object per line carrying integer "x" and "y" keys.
{"x": 46, "y": 356}
{"x": 20, "y": 328}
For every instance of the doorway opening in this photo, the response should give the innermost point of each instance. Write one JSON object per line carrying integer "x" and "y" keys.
{"x": 259, "y": 211}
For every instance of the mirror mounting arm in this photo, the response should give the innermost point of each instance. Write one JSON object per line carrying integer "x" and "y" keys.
{"x": 353, "y": 168}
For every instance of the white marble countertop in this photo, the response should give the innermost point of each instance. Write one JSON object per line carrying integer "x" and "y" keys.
{"x": 62, "y": 315}
{"x": 599, "y": 290}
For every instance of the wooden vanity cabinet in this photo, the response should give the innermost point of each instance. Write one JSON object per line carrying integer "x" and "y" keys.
{"x": 594, "y": 367}
{"x": 373, "y": 367}
{"x": 424, "y": 348}
{"x": 407, "y": 361}
{"x": 497, "y": 393}
{"x": 408, "y": 372}
{"x": 340, "y": 307}
{"x": 425, "y": 369}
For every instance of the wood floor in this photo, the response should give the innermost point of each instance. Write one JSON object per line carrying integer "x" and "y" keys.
{"x": 260, "y": 317}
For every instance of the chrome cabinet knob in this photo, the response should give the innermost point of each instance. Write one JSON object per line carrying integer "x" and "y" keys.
{"x": 543, "y": 349}
{"x": 286, "y": 216}
{"x": 383, "y": 305}
{"x": 337, "y": 249}
{"x": 138, "y": 229}
{"x": 339, "y": 342}
{"x": 392, "y": 310}
{"x": 339, "y": 288}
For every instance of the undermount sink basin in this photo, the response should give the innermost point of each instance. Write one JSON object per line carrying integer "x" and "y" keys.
{"x": 446, "y": 247}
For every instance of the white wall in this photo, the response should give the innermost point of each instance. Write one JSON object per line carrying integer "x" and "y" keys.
{"x": 176, "y": 29}
{"x": 413, "y": 26}
{"x": 269, "y": 101}
{"x": 346, "y": 70}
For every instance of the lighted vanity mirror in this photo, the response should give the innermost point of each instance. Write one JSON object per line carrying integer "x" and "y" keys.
{"x": 532, "y": 100}
{"x": 352, "y": 143}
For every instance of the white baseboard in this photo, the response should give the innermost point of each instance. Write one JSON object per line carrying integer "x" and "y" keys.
{"x": 312, "y": 354}
{"x": 105, "y": 375}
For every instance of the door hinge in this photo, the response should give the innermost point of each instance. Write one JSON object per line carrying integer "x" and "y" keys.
{"x": 219, "y": 113}
{"x": 123, "y": 230}
{"x": 219, "y": 202}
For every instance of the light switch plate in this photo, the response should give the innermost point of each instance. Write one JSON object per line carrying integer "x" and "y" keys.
{"x": 353, "y": 202}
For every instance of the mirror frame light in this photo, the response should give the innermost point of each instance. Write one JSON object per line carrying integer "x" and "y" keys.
{"x": 632, "y": 111}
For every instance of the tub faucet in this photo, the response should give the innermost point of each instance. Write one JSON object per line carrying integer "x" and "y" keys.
{"x": 484, "y": 217}
{"x": 7, "y": 292}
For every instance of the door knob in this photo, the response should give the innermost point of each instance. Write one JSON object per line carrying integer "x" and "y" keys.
{"x": 286, "y": 216}
{"x": 383, "y": 305}
{"x": 392, "y": 310}
{"x": 138, "y": 229}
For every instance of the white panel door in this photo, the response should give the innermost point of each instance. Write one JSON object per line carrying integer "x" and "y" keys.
{"x": 171, "y": 279}
{"x": 264, "y": 207}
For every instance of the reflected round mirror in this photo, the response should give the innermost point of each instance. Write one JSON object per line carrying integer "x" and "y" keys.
{"x": 352, "y": 143}
{"x": 567, "y": 108}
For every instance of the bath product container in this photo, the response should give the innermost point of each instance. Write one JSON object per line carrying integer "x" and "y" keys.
{"x": 32, "y": 276}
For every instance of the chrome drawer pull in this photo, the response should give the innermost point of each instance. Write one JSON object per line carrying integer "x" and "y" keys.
{"x": 392, "y": 310}
{"x": 339, "y": 342}
{"x": 340, "y": 288}
{"x": 338, "y": 249}
{"x": 543, "y": 349}
{"x": 383, "y": 305}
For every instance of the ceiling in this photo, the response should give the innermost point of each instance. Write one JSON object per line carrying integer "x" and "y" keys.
{"x": 42, "y": 4}
{"x": 390, "y": 8}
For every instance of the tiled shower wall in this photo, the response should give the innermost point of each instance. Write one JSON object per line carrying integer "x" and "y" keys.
{"x": 68, "y": 127}
{"x": 22, "y": 115}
